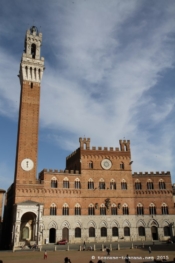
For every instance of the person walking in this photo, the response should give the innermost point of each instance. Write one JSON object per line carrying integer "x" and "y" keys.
{"x": 127, "y": 259}
{"x": 45, "y": 254}
{"x": 149, "y": 249}
{"x": 108, "y": 251}
{"x": 66, "y": 260}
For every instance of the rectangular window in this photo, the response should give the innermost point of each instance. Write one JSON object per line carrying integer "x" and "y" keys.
{"x": 65, "y": 184}
{"x": 113, "y": 210}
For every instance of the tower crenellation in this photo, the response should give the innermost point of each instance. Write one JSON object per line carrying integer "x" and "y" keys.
{"x": 85, "y": 142}
{"x": 124, "y": 145}
{"x": 32, "y": 65}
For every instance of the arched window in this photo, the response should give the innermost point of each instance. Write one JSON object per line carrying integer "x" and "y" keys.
{"x": 26, "y": 71}
{"x": 33, "y": 50}
{"x": 53, "y": 210}
{"x": 91, "y": 210}
{"x": 31, "y": 72}
{"x": 125, "y": 209}
{"x": 152, "y": 209}
{"x": 101, "y": 184}
{"x": 126, "y": 231}
{"x": 102, "y": 210}
{"x": 115, "y": 231}
{"x": 141, "y": 231}
{"x": 138, "y": 185}
{"x": 65, "y": 210}
{"x": 103, "y": 232}
{"x": 77, "y": 210}
{"x": 65, "y": 183}
{"x": 140, "y": 210}
{"x": 122, "y": 166}
{"x": 150, "y": 185}
{"x": 167, "y": 231}
{"x": 90, "y": 184}
{"x": 39, "y": 73}
{"x": 77, "y": 232}
{"x": 34, "y": 73}
{"x": 91, "y": 232}
{"x": 113, "y": 209}
{"x": 162, "y": 184}
{"x": 123, "y": 184}
{"x": 77, "y": 183}
{"x": 164, "y": 208}
{"x": 112, "y": 184}
{"x": 90, "y": 165}
{"x": 53, "y": 182}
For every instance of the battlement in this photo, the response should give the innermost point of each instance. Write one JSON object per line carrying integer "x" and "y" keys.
{"x": 85, "y": 142}
{"x": 34, "y": 31}
{"x": 85, "y": 145}
{"x": 151, "y": 174}
{"x": 110, "y": 149}
{"x": 124, "y": 145}
{"x": 72, "y": 154}
{"x": 60, "y": 171}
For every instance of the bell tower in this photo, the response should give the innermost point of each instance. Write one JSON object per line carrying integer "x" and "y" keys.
{"x": 30, "y": 75}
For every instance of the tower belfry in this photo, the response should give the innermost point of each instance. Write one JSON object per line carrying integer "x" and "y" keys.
{"x": 31, "y": 71}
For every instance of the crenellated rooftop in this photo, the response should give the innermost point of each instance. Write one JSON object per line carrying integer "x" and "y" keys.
{"x": 135, "y": 174}
{"x": 60, "y": 171}
{"x": 72, "y": 154}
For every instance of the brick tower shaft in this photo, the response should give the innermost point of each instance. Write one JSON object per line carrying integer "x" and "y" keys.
{"x": 31, "y": 70}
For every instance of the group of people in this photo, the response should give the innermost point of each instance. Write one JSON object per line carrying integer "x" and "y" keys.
{"x": 67, "y": 260}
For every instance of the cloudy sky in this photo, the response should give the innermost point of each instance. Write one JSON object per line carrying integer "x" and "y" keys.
{"x": 110, "y": 75}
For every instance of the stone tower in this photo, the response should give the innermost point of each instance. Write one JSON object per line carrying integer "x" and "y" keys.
{"x": 30, "y": 74}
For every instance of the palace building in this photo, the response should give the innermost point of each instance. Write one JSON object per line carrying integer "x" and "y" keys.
{"x": 96, "y": 198}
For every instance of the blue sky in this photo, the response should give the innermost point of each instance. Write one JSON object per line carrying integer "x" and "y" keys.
{"x": 110, "y": 75}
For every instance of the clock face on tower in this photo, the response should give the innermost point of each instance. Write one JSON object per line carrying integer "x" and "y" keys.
{"x": 106, "y": 164}
{"x": 27, "y": 164}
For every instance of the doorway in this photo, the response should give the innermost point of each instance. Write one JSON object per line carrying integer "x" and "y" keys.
{"x": 52, "y": 235}
{"x": 154, "y": 233}
{"x": 65, "y": 233}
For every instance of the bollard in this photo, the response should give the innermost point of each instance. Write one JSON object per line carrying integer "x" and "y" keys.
{"x": 110, "y": 246}
{"x": 68, "y": 247}
{"x": 40, "y": 248}
{"x": 132, "y": 246}
{"x": 94, "y": 247}
{"x": 102, "y": 247}
{"x": 80, "y": 248}
{"x": 118, "y": 246}
{"x": 55, "y": 248}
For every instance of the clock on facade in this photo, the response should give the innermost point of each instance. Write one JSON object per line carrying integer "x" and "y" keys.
{"x": 27, "y": 164}
{"x": 106, "y": 164}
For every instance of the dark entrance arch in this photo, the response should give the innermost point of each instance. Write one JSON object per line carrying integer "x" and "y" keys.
{"x": 154, "y": 233}
{"x": 52, "y": 235}
{"x": 65, "y": 233}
